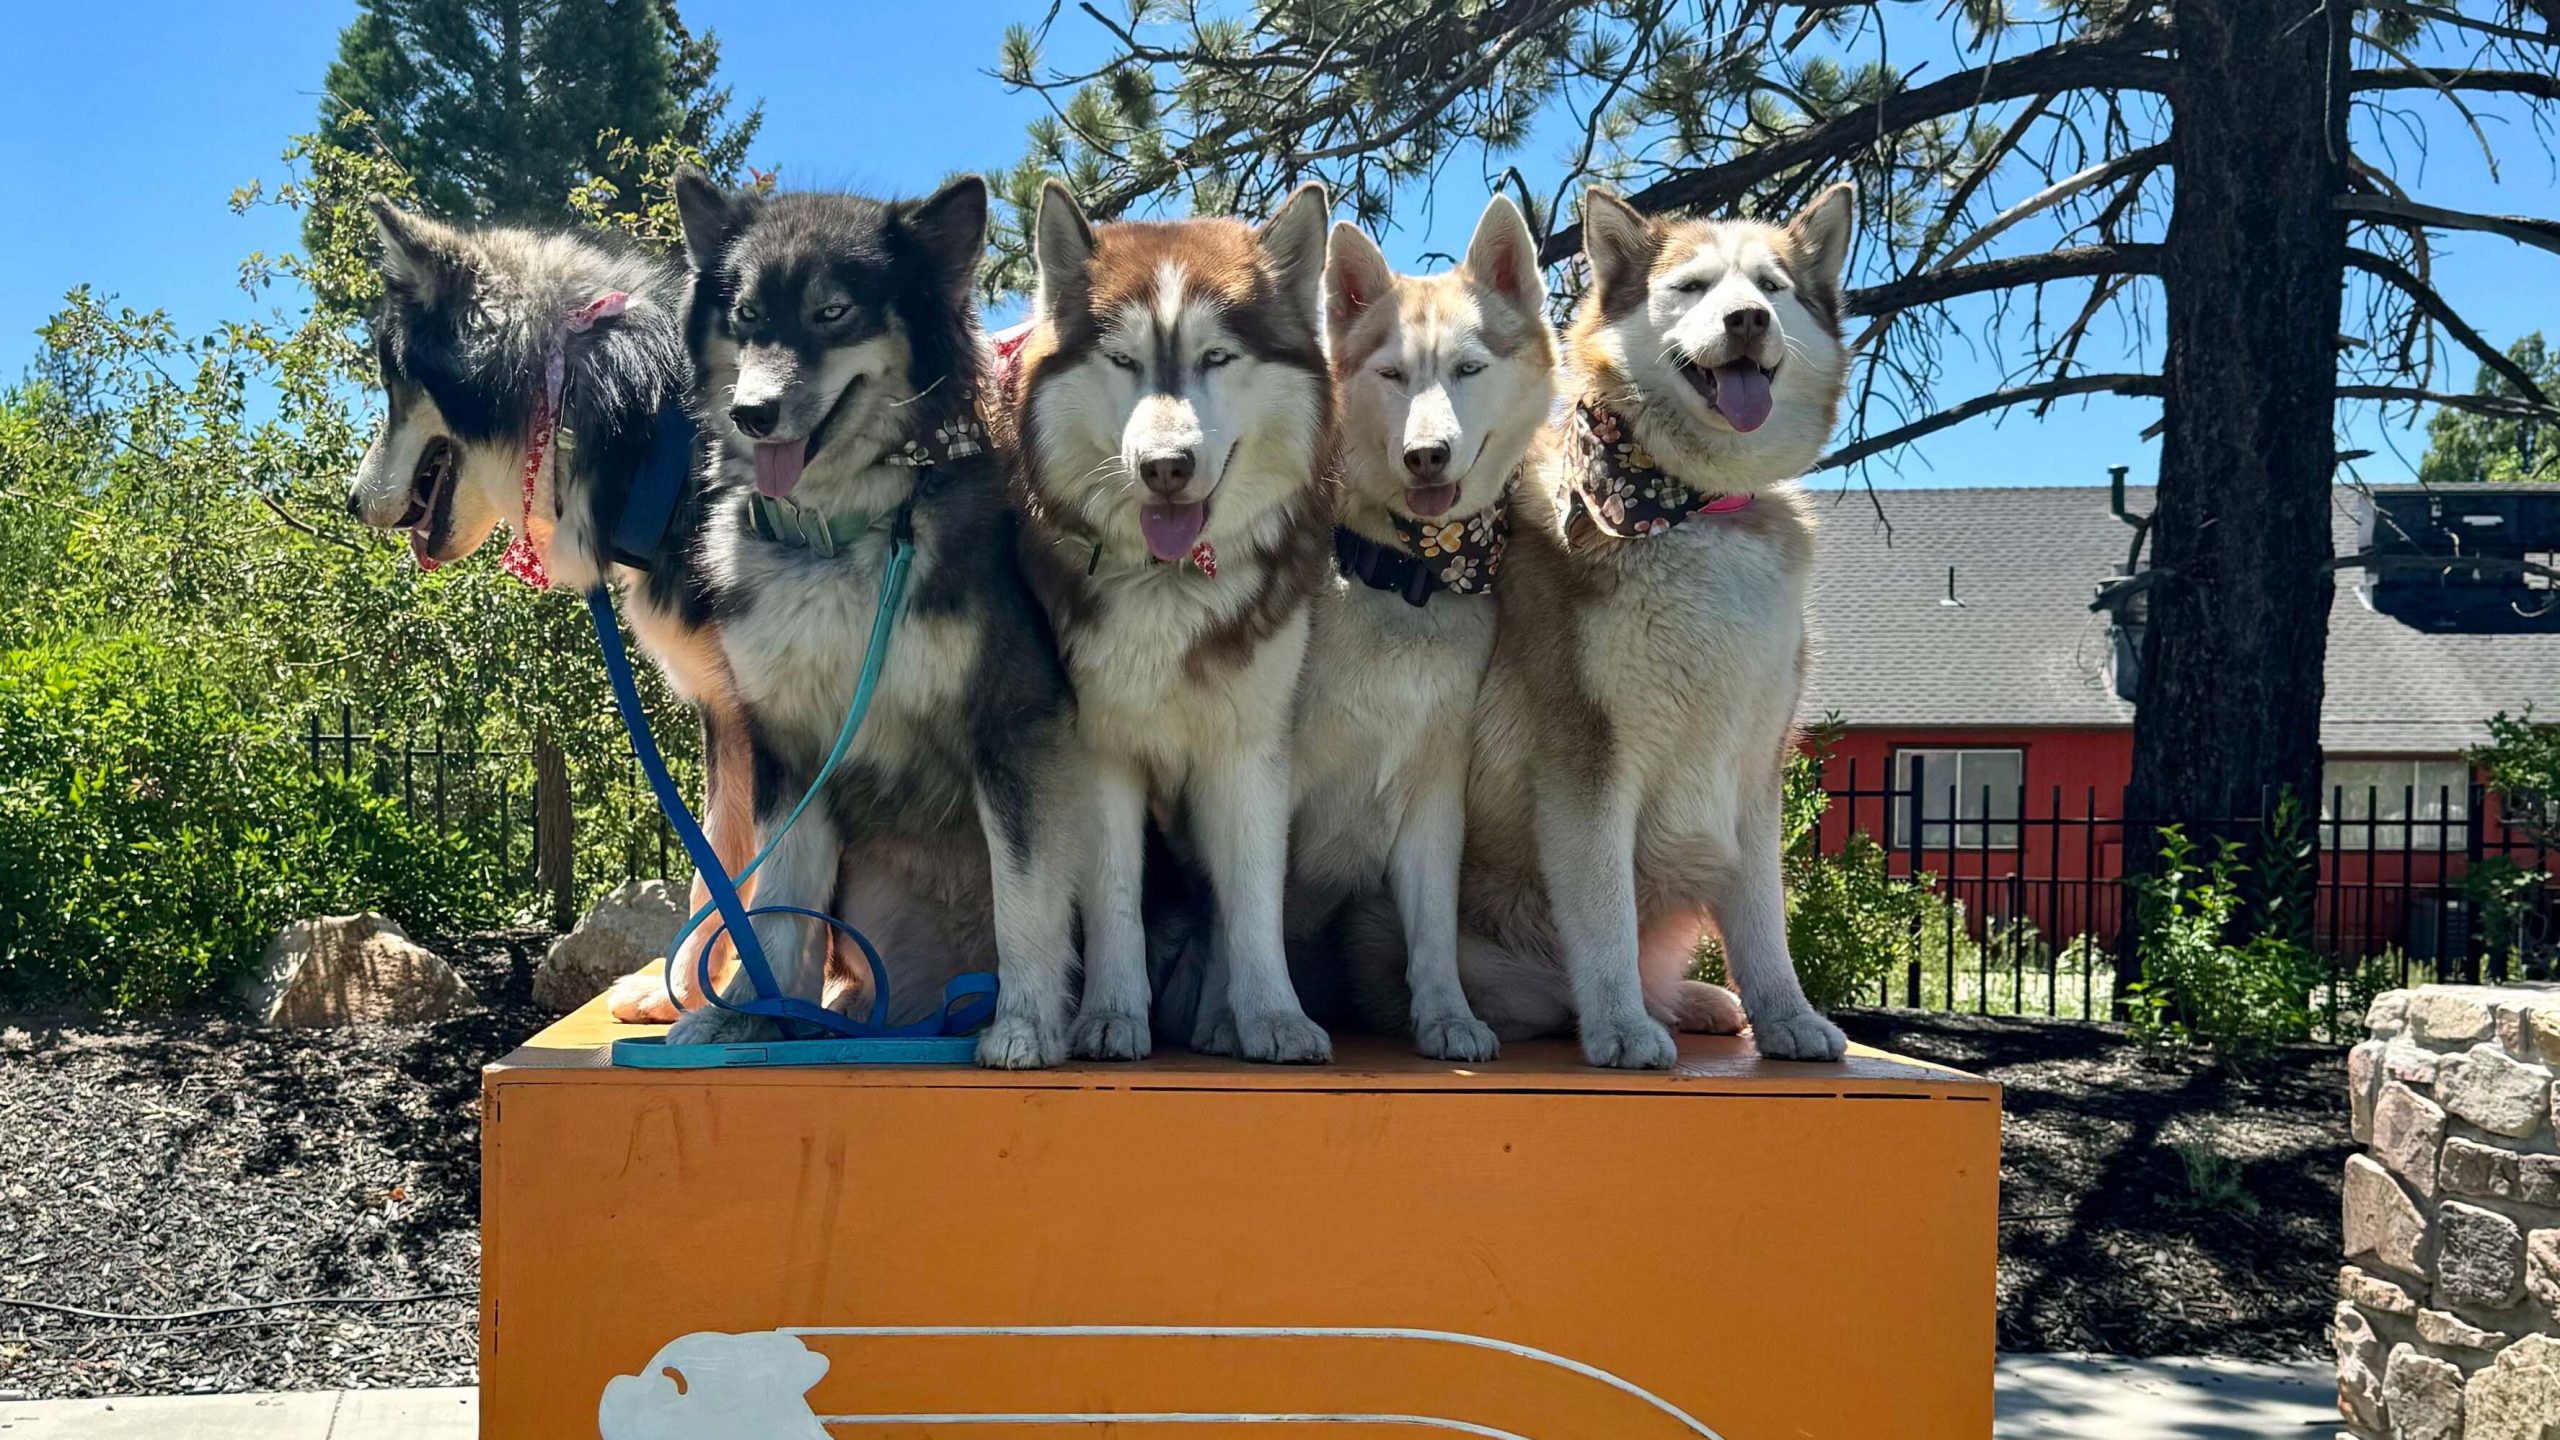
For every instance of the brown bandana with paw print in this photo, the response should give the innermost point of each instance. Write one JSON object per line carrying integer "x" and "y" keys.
{"x": 1618, "y": 484}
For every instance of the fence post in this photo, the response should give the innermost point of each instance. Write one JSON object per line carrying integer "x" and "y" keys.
{"x": 555, "y": 832}
{"x": 1919, "y": 769}
{"x": 2474, "y": 936}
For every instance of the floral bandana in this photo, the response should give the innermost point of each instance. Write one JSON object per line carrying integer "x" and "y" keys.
{"x": 1622, "y": 489}
{"x": 1459, "y": 556}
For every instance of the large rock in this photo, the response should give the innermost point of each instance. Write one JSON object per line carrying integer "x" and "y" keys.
{"x": 2423, "y": 1396}
{"x": 2408, "y": 1129}
{"x": 2382, "y": 1221}
{"x": 2450, "y": 1017}
{"x": 2360, "y": 1366}
{"x": 2388, "y": 1015}
{"x": 2538, "y": 1180}
{"x": 2373, "y": 1293}
{"x": 629, "y": 928}
{"x": 2445, "y": 1329}
{"x": 2498, "y": 1094}
{"x": 2518, "y": 1398}
{"x": 2364, "y": 1082}
{"x": 2479, "y": 1258}
{"x": 351, "y": 970}
{"x": 2471, "y": 1168}
{"x": 2542, "y": 1268}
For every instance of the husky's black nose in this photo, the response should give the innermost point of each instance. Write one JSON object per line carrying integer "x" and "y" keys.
{"x": 1427, "y": 462}
{"x": 1749, "y": 322}
{"x": 1167, "y": 474}
{"x": 756, "y": 420}
{"x": 355, "y": 504}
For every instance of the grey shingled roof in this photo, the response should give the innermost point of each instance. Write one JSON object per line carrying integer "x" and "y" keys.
{"x": 2025, "y": 650}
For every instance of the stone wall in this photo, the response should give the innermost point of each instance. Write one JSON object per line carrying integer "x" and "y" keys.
{"x": 2448, "y": 1319}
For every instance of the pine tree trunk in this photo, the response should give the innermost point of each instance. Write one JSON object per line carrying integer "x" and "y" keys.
{"x": 555, "y": 830}
{"x": 2229, "y": 705}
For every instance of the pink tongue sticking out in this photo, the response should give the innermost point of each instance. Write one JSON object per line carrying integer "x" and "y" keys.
{"x": 1429, "y": 500}
{"x": 778, "y": 467}
{"x": 1742, "y": 394}
{"x": 1170, "y": 529}
{"x": 418, "y": 548}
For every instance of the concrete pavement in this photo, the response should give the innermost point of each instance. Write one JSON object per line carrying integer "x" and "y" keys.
{"x": 2042, "y": 1397}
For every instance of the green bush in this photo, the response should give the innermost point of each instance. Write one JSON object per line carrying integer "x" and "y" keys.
{"x": 154, "y": 833}
{"x": 2198, "y": 988}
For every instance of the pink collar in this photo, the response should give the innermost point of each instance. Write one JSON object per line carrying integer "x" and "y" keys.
{"x": 523, "y": 558}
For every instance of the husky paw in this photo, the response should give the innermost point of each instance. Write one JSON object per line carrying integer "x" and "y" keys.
{"x": 1454, "y": 1037}
{"x": 1800, "y": 1036}
{"x": 1638, "y": 1042}
{"x": 1110, "y": 1035}
{"x": 1282, "y": 1037}
{"x": 1699, "y": 1008}
{"x": 1019, "y": 1042}
{"x": 641, "y": 999}
{"x": 714, "y": 1026}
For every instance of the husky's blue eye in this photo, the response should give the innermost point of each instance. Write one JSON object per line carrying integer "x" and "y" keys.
{"x": 748, "y": 313}
{"x": 1123, "y": 361}
{"x": 1772, "y": 284}
{"x": 1212, "y": 359}
{"x": 1391, "y": 374}
{"x": 1691, "y": 286}
{"x": 1470, "y": 367}
{"x": 833, "y": 313}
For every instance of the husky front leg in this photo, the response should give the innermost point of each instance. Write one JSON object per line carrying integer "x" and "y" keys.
{"x": 1111, "y": 1021}
{"x": 1423, "y": 874}
{"x": 1241, "y": 813}
{"x": 1030, "y": 856}
{"x": 800, "y": 872}
{"x": 1587, "y": 854}
{"x": 1750, "y": 905}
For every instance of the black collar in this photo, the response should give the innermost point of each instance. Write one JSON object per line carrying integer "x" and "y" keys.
{"x": 1382, "y": 567}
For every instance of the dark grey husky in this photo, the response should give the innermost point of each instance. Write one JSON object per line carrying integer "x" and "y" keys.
{"x": 839, "y": 362}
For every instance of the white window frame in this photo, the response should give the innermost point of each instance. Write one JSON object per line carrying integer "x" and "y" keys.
{"x": 2439, "y": 786}
{"x": 1970, "y": 827}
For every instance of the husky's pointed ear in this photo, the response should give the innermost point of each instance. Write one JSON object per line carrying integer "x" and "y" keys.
{"x": 712, "y": 217}
{"x": 1619, "y": 245}
{"x": 1503, "y": 256}
{"x": 1293, "y": 241}
{"x": 1355, "y": 277}
{"x": 1819, "y": 238}
{"x": 421, "y": 258}
{"x": 1062, "y": 247}
{"x": 949, "y": 228}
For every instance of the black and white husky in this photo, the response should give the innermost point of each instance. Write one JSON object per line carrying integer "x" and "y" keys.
{"x": 943, "y": 836}
{"x": 1639, "y": 710}
{"x": 1442, "y": 387}
{"x": 840, "y": 361}
{"x": 1173, "y": 414}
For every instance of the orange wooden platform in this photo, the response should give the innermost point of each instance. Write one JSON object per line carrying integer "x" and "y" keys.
{"x": 1189, "y": 1247}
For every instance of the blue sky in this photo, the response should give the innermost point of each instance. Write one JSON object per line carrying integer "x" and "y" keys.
{"x": 133, "y": 134}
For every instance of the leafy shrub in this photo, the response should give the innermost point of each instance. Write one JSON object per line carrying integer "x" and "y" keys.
{"x": 2521, "y": 764}
{"x": 153, "y": 834}
{"x": 2198, "y": 988}
{"x": 1849, "y": 918}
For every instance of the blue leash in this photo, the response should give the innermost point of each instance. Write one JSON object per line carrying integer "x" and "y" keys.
{"x": 968, "y": 1002}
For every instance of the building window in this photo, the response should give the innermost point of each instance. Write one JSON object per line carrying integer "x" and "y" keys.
{"x": 2421, "y": 803}
{"x": 1970, "y": 798}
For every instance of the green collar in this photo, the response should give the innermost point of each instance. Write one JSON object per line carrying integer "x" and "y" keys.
{"x": 827, "y": 533}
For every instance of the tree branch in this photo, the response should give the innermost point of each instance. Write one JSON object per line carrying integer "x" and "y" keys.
{"x": 293, "y": 522}
{"x": 2497, "y": 407}
{"x": 2077, "y": 262}
{"x": 2523, "y": 229}
{"x": 2501, "y": 82}
{"x": 2115, "y": 61}
{"x": 1984, "y": 405}
{"x": 2442, "y": 311}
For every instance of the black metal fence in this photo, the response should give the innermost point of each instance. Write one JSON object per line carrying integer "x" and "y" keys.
{"x": 489, "y": 796}
{"x": 2035, "y": 907}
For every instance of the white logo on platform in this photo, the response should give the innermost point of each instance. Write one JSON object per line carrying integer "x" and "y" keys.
{"x": 717, "y": 1387}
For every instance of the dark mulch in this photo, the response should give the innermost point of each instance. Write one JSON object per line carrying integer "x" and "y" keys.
{"x": 2106, "y": 1243}
{"x": 176, "y": 1164}
{"x": 155, "y": 1166}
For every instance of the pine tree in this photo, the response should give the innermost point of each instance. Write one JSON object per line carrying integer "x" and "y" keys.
{"x": 500, "y": 108}
{"x": 2464, "y": 446}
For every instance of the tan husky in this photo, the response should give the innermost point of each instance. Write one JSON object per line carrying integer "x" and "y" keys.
{"x": 1643, "y": 691}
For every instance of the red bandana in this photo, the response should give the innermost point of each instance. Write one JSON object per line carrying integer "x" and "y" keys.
{"x": 523, "y": 558}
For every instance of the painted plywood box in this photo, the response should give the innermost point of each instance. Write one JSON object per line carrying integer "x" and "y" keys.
{"x": 1386, "y": 1247}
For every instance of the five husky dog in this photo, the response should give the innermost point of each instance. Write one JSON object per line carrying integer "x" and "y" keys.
{"x": 1273, "y": 636}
